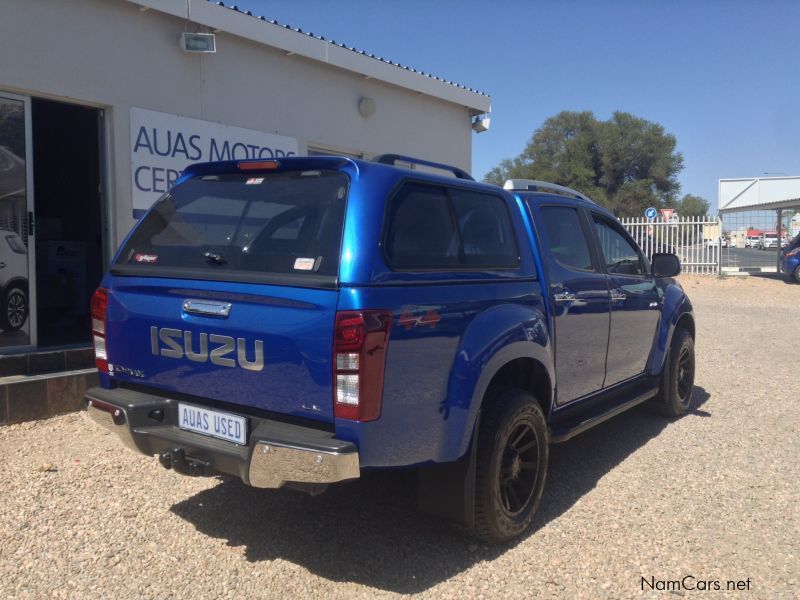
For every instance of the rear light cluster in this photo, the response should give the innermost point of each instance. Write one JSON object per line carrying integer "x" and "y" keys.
{"x": 360, "y": 342}
{"x": 99, "y": 309}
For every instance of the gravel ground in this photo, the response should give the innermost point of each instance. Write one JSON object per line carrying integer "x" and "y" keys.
{"x": 713, "y": 495}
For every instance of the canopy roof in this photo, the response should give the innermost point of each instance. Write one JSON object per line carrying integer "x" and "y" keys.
{"x": 758, "y": 193}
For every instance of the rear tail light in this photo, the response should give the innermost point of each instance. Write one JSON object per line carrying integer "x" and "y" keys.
{"x": 99, "y": 309}
{"x": 360, "y": 342}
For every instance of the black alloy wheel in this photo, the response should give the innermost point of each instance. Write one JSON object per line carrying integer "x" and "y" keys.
{"x": 512, "y": 455}
{"x": 15, "y": 310}
{"x": 677, "y": 381}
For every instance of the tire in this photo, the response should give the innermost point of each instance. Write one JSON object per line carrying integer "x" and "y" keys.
{"x": 797, "y": 274}
{"x": 677, "y": 382}
{"x": 511, "y": 465}
{"x": 14, "y": 310}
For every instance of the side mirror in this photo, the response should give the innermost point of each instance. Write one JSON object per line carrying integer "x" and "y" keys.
{"x": 665, "y": 265}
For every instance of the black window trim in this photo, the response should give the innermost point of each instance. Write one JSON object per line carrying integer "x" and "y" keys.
{"x": 461, "y": 268}
{"x": 614, "y": 225}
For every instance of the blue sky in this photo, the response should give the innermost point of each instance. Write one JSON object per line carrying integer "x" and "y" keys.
{"x": 722, "y": 76}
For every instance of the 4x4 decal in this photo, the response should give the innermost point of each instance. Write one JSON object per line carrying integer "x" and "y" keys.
{"x": 409, "y": 320}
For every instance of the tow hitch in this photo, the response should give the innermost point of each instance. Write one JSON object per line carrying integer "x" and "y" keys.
{"x": 177, "y": 460}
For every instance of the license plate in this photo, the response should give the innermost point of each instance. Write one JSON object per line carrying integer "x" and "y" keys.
{"x": 224, "y": 426}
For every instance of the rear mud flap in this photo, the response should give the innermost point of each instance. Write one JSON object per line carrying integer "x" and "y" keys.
{"x": 448, "y": 490}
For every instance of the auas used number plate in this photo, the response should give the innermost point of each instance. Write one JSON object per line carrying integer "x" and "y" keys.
{"x": 224, "y": 426}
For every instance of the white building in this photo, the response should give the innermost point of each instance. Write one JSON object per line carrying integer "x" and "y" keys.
{"x": 100, "y": 109}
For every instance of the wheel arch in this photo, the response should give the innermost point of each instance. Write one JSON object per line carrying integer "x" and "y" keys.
{"x": 510, "y": 366}
{"x": 677, "y": 313}
{"x": 525, "y": 373}
{"x": 686, "y": 321}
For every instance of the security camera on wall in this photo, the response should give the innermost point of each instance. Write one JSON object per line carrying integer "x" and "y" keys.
{"x": 481, "y": 123}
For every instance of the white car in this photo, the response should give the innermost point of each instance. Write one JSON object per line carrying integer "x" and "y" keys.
{"x": 13, "y": 280}
{"x": 768, "y": 241}
{"x": 751, "y": 241}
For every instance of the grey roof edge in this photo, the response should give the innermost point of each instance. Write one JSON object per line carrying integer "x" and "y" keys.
{"x": 764, "y": 200}
{"x": 229, "y": 18}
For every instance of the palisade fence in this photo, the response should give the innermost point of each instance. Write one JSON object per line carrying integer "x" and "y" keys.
{"x": 696, "y": 240}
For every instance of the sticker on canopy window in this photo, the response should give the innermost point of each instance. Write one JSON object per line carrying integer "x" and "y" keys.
{"x": 254, "y": 181}
{"x": 304, "y": 264}
{"x": 149, "y": 259}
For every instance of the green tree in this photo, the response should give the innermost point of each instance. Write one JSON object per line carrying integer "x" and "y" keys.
{"x": 692, "y": 206}
{"x": 626, "y": 163}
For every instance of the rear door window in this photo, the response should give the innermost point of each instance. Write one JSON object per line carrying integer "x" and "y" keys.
{"x": 286, "y": 223}
{"x": 566, "y": 239}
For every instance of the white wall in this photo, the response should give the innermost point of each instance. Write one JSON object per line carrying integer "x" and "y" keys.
{"x": 108, "y": 53}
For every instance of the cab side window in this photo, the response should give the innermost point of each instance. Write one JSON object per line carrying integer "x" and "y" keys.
{"x": 565, "y": 236}
{"x": 620, "y": 256}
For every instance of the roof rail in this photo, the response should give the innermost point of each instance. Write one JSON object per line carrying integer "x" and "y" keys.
{"x": 532, "y": 185}
{"x": 391, "y": 159}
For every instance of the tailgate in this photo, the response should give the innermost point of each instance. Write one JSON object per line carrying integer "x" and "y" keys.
{"x": 227, "y": 288}
{"x": 272, "y": 350}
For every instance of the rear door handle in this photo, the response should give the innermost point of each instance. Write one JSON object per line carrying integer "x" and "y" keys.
{"x": 565, "y": 297}
{"x": 618, "y": 296}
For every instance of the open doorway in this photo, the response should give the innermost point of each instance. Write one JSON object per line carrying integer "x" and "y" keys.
{"x": 67, "y": 217}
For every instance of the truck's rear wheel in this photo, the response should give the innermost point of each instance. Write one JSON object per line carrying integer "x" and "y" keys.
{"x": 677, "y": 382}
{"x": 512, "y": 456}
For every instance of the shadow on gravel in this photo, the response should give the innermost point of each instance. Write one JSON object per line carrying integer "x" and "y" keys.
{"x": 370, "y": 532}
{"x": 776, "y": 276}
{"x": 577, "y": 465}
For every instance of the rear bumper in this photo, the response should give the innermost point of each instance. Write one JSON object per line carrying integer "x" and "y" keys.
{"x": 277, "y": 453}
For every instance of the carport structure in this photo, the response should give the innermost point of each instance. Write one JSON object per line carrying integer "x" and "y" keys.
{"x": 760, "y": 193}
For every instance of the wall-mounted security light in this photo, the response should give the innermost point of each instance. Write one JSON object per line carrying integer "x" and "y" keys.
{"x": 366, "y": 107}
{"x": 198, "y": 42}
{"x": 481, "y": 123}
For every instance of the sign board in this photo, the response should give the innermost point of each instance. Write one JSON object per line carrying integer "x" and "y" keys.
{"x": 162, "y": 145}
{"x": 666, "y": 213}
{"x": 651, "y": 213}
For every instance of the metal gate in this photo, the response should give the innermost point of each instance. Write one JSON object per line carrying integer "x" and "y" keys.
{"x": 696, "y": 240}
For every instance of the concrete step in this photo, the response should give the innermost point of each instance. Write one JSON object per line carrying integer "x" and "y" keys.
{"x": 47, "y": 361}
{"x": 32, "y": 397}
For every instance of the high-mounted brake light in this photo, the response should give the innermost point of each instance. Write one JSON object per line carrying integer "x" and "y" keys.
{"x": 258, "y": 165}
{"x": 99, "y": 310}
{"x": 360, "y": 342}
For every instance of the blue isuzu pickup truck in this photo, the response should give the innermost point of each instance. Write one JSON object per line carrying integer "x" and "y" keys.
{"x": 296, "y": 322}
